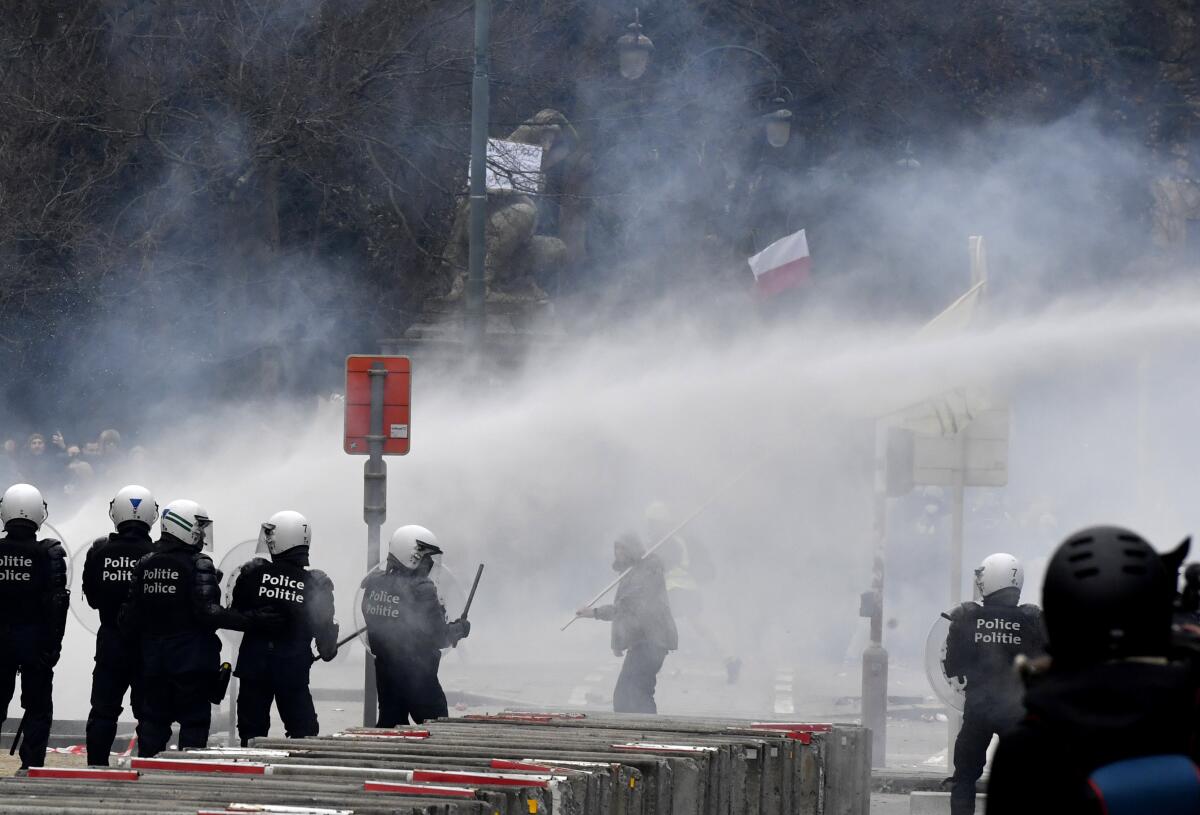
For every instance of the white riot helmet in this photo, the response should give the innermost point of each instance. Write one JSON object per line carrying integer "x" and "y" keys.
{"x": 410, "y": 544}
{"x": 999, "y": 571}
{"x": 23, "y": 502}
{"x": 133, "y": 503}
{"x": 283, "y": 531}
{"x": 187, "y": 521}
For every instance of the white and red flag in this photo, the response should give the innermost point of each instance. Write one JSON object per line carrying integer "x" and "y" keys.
{"x": 782, "y": 265}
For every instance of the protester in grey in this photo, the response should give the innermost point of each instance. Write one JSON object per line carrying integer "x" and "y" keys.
{"x": 643, "y": 630}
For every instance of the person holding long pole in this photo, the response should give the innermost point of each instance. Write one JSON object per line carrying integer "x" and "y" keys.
{"x": 643, "y": 630}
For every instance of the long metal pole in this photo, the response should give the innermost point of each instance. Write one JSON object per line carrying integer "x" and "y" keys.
{"x": 374, "y": 511}
{"x": 475, "y": 317}
{"x": 875, "y": 657}
{"x": 958, "y": 506}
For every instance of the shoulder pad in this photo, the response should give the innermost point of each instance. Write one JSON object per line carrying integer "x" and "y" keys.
{"x": 54, "y": 548}
{"x": 425, "y": 589}
{"x": 100, "y": 541}
{"x": 1032, "y": 609}
{"x": 204, "y": 565}
{"x": 320, "y": 579}
{"x": 963, "y": 609}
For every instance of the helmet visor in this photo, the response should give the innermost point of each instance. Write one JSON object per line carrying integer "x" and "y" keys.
{"x": 202, "y": 533}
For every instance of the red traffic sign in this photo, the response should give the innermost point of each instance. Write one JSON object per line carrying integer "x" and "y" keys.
{"x": 397, "y": 398}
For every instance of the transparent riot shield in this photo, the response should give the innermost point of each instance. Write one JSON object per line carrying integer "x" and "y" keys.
{"x": 951, "y": 690}
{"x": 231, "y": 565}
{"x": 360, "y": 624}
{"x": 87, "y": 616}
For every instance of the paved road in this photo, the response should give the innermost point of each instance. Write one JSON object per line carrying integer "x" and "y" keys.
{"x": 889, "y": 804}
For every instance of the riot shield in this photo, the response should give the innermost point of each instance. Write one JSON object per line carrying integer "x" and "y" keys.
{"x": 231, "y": 565}
{"x": 360, "y": 623}
{"x": 951, "y": 690}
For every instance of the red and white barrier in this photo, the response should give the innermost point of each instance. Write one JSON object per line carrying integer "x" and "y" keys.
{"x": 652, "y": 747}
{"x": 381, "y": 733}
{"x": 400, "y": 788}
{"x": 482, "y": 779}
{"x": 798, "y": 727}
{"x": 799, "y": 731}
{"x": 81, "y": 773}
{"x": 274, "y": 808}
{"x": 185, "y": 765}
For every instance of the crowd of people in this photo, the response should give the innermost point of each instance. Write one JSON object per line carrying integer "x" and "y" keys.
{"x": 160, "y": 607}
{"x": 59, "y": 467}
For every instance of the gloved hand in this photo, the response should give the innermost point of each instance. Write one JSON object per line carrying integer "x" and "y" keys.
{"x": 618, "y": 652}
{"x": 586, "y": 613}
{"x": 459, "y": 630}
{"x": 327, "y": 643}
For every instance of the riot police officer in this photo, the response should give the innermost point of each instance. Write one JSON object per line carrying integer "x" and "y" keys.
{"x": 33, "y": 615}
{"x": 276, "y": 665}
{"x": 983, "y": 641}
{"x": 407, "y": 628}
{"x": 107, "y": 576}
{"x": 174, "y": 607}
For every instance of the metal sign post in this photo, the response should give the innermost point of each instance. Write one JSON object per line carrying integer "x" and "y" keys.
{"x": 377, "y": 419}
{"x": 374, "y": 513}
{"x": 875, "y": 656}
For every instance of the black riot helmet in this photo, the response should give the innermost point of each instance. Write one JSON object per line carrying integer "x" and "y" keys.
{"x": 1108, "y": 595}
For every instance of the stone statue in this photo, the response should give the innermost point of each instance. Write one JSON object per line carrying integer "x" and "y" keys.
{"x": 516, "y": 256}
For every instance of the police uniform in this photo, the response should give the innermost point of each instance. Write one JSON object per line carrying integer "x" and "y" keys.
{"x": 406, "y": 629}
{"x": 107, "y": 576}
{"x": 275, "y": 666}
{"x": 982, "y": 643}
{"x": 175, "y": 607}
{"x": 33, "y": 615}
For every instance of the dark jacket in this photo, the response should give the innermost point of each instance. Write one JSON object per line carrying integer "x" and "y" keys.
{"x": 985, "y": 639}
{"x": 404, "y": 615}
{"x": 34, "y": 596}
{"x": 174, "y": 606}
{"x": 1078, "y": 721}
{"x": 303, "y": 598}
{"x": 640, "y": 613}
{"x": 108, "y": 569}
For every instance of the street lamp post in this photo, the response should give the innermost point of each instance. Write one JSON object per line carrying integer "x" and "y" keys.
{"x": 634, "y": 50}
{"x": 778, "y": 124}
{"x": 475, "y": 316}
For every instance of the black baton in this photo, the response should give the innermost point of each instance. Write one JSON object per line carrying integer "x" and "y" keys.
{"x": 471, "y": 596}
{"x": 17, "y": 736}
